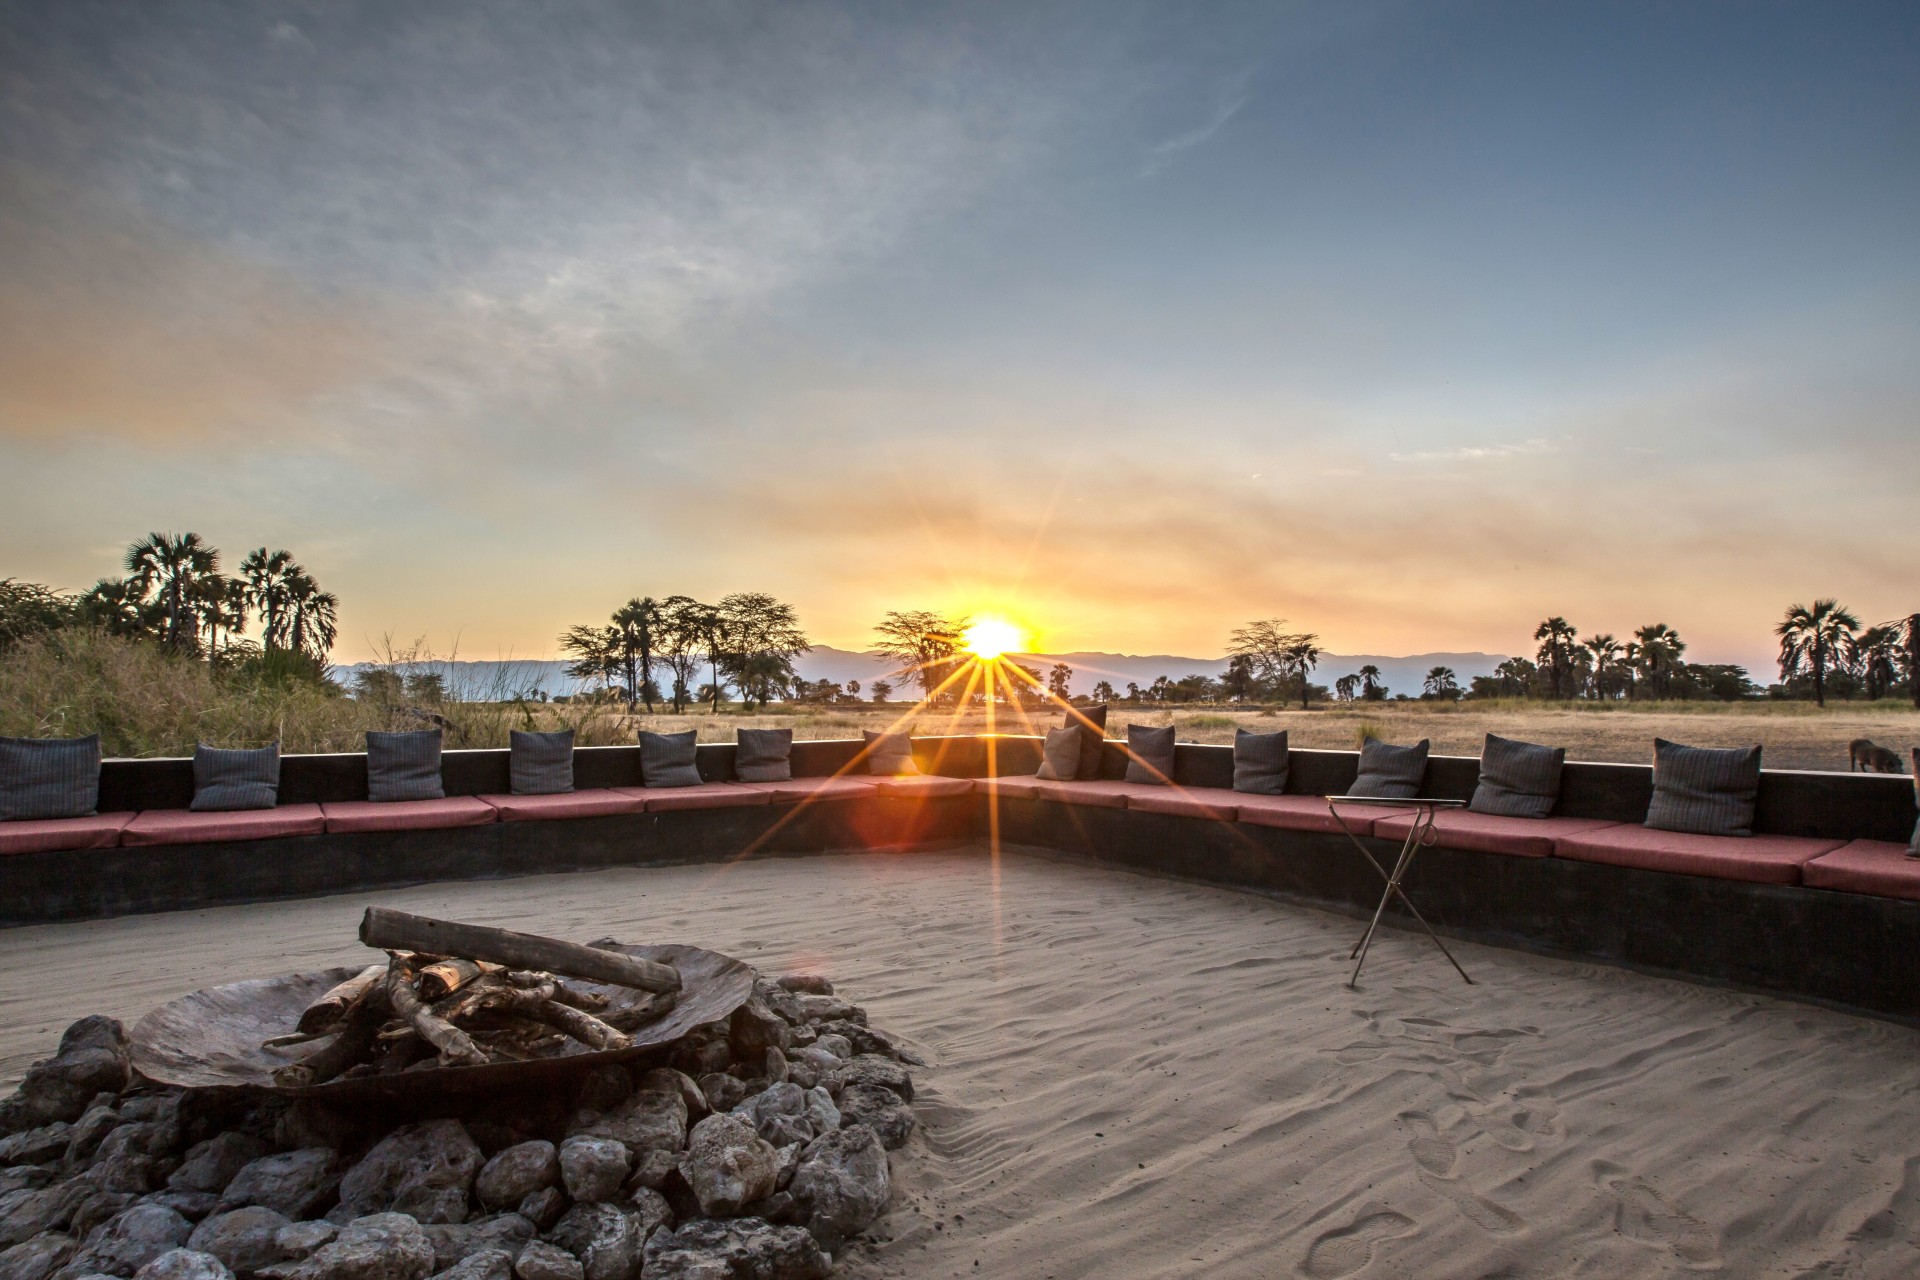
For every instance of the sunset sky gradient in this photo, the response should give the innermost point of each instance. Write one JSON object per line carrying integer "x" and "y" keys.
{"x": 1412, "y": 323}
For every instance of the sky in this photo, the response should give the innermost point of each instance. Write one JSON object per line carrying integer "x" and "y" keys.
{"x": 1411, "y": 323}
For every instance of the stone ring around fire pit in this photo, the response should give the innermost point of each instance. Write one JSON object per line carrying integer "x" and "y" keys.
{"x": 211, "y": 1039}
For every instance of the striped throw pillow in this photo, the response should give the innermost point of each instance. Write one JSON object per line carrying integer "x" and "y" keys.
{"x": 1704, "y": 790}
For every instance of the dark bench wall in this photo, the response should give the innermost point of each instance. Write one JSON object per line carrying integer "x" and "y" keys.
{"x": 1848, "y": 949}
{"x": 42, "y": 888}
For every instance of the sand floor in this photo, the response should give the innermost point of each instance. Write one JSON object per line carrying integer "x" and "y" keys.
{"x": 1141, "y": 1078}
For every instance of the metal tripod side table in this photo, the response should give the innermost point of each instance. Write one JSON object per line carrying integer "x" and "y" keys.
{"x": 1419, "y": 835}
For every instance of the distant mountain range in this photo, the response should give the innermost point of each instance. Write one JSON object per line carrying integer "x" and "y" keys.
{"x": 491, "y": 680}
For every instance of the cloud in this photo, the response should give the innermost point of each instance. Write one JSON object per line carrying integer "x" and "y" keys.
{"x": 1230, "y": 98}
{"x": 1482, "y": 452}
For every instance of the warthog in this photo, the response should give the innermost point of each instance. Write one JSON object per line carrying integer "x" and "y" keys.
{"x": 1866, "y": 756}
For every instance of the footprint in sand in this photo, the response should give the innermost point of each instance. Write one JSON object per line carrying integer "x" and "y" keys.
{"x": 1345, "y": 1250}
{"x": 1432, "y": 1150}
{"x": 1643, "y": 1214}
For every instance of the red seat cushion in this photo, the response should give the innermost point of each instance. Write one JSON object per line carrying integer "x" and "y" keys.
{"x": 408, "y": 815}
{"x": 1492, "y": 833}
{"x": 923, "y": 786}
{"x": 1219, "y": 804}
{"x": 1308, "y": 813}
{"x": 707, "y": 795}
{"x": 794, "y": 790}
{"x": 183, "y": 826}
{"x": 51, "y": 835}
{"x": 598, "y": 803}
{"x": 1866, "y": 866}
{"x": 1102, "y": 793}
{"x": 1761, "y": 859}
{"x": 1017, "y": 787}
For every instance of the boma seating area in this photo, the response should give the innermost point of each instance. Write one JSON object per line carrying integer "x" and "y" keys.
{"x": 1794, "y": 883}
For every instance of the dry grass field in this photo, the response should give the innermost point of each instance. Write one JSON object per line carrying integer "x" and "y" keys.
{"x": 1795, "y": 735}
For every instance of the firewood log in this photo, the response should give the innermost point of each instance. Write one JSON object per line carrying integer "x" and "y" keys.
{"x": 323, "y": 1013}
{"x": 456, "y": 1048}
{"x": 448, "y": 976}
{"x": 397, "y": 930}
{"x": 348, "y": 1048}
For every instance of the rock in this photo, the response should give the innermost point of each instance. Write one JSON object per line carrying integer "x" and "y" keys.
{"x": 753, "y": 1030}
{"x": 880, "y": 1110}
{"x": 593, "y": 1169}
{"x": 544, "y": 1207}
{"x": 819, "y": 1009}
{"x": 835, "y": 1046}
{"x": 91, "y": 1059}
{"x": 869, "y": 1040}
{"x": 425, "y": 1171}
{"x": 776, "y": 1066}
{"x": 96, "y": 1209}
{"x": 722, "y": 1092}
{"x": 508, "y": 1232}
{"x": 779, "y": 1001}
{"x": 650, "y": 1120}
{"x": 668, "y": 1080}
{"x": 23, "y": 1177}
{"x": 301, "y": 1240}
{"x": 29, "y": 1213}
{"x": 698, "y": 1056}
{"x": 43, "y": 1145}
{"x": 872, "y": 1069}
{"x": 120, "y": 1167}
{"x": 605, "y": 1088}
{"x": 156, "y": 1108}
{"x": 543, "y": 1261}
{"x": 88, "y": 1132}
{"x": 488, "y": 1264}
{"x": 650, "y": 1210}
{"x": 294, "y": 1183}
{"x": 38, "y": 1258}
{"x": 737, "y": 1249}
{"x": 812, "y": 984}
{"x": 606, "y": 1238}
{"x": 778, "y": 1207}
{"x": 651, "y": 1170}
{"x": 212, "y": 1164}
{"x": 131, "y": 1239}
{"x": 842, "y": 1184}
{"x": 244, "y": 1239}
{"x": 517, "y": 1173}
{"x": 184, "y": 1264}
{"x": 381, "y": 1246}
{"x": 191, "y": 1205}
{"x": 727, "y": 1164}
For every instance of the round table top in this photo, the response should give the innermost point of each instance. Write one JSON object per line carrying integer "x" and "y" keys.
{"x": 1425, "y": 802}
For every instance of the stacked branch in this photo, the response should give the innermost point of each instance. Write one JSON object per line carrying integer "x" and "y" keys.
{"x": 502, "y": 997}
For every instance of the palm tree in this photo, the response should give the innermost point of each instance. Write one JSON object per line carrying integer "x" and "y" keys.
{"x": 312, "y": 618}
{"x": 171, "y": 566}
{"x": 1810, "y": 639}
{"x": 1103, "y": 692}
{"x": 1556, "y": 636}
{"x": 635, "y": 623}
{"x": 1656, "y": 648}
{"x": 1371, "y": 685}
{"x": 1606, "y": 652}
{"x": 219, "y": 605}
{"x": 1906, "y": 638}
{"x": 1344, "y": 687}
{"x": 1876, "y": 653}
{"x": 1302, "y": 656}
{"x": 266, "y": 574}
{"x": 1441, "y": 683}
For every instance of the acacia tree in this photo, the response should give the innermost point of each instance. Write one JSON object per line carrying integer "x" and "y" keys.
{"x": 760, "y": 637}
{"x": 682, "y": 631}
{"x": 925, "y": 644}
{"x": 1811, "y": 638}
{"x": 1277, "y": 655}
{"x": 595, "y": 653}
{"x": 1103, "y": 692}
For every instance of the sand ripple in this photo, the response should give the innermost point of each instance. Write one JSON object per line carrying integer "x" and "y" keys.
{"x": 1136, "y": 1077}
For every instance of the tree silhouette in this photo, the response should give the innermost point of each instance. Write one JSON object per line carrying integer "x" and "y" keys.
{"x": 1060, "y": 681}
{"x": 1277, "y": 655}
{"x": 1605, "y": 651}
{"x": 1345, "y": 687}
{"x": 170, "y": 567}
{"x": 682, "y": 629}
{"x": 1103, "y": 692}
{"x": 1810, "y": 638}
{"x": 759, "y": 637}
{"x": 879, "y": 691}
{"x": 1875, "y": 653}
{"x": 1655, "y": 651}
{"x": 1556, "y": 637}
{"x": 925, "y": 644}
{"x": 1441, "y": 683}
{"x": 313, "y": 621}
{"x": 635, "y": 624}
{"x": 1372, "y": 687}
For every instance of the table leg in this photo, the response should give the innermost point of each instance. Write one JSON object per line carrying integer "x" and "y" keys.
{"x": 1416, "y": 837}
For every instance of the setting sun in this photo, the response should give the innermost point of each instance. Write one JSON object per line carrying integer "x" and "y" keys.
{"x": 991, "y": 637}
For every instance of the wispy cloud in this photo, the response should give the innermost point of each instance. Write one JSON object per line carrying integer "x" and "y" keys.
{"x": 1482, "y": 452}
{"x": 1230, "y": 98}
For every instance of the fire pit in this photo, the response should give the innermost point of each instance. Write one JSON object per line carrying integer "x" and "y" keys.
{"x": 485, "y": 1105}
